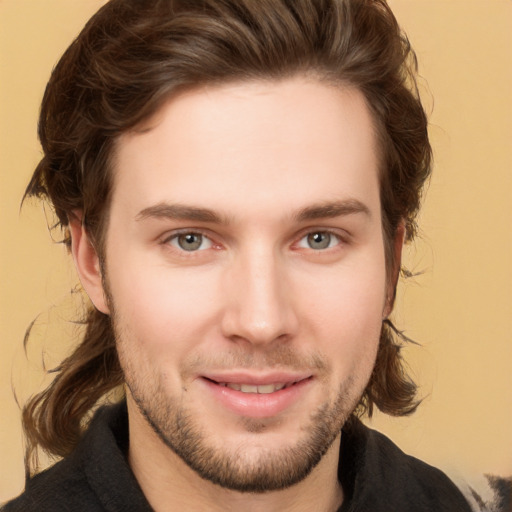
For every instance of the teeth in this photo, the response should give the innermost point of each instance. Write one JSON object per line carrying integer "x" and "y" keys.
{"x": 269, "y": 388}
{"x": 247, "y": 388}
{"x": 250, "y": 388}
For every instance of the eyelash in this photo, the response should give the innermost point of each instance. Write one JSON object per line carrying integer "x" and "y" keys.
{"x": 332, "y": 234}
{"x": 167, "y": 241}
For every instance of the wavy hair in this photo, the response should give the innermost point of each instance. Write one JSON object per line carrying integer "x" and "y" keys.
{"x": 129, "y": 59}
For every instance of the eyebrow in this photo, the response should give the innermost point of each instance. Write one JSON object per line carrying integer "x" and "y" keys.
{"x": 180, "y": 212}
{"x": 327, "y": 210}
{"x": 332, "y": 209}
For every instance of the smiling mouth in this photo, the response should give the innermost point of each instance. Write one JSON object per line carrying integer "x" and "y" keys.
{"x": 262, "y": 389}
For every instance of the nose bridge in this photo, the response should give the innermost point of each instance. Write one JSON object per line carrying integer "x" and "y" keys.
{"x": 259, "y": 307}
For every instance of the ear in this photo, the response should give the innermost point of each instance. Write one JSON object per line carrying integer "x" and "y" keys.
{"x": 87, "y": 263}
{"x": 398, "y": 243}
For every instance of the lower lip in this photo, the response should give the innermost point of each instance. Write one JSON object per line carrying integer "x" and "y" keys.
{"x": 258, "y": 405}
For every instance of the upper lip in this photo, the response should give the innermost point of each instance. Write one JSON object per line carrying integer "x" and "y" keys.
{"x": 256, "y": 379}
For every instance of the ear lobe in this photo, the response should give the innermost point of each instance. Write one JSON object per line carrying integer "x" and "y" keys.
{"x": 87, "y": 263}
{"x": 398, "y": 243}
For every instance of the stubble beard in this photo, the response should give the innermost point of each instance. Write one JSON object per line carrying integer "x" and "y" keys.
{"x": 270, "y": 470}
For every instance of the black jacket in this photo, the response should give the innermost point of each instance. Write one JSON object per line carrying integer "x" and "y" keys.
{"x": 375, "y": 474}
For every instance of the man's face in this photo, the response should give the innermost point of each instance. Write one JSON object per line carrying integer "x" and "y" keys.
{"x": 246, "y": 274}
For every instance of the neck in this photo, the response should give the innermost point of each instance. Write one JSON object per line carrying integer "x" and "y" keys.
{"x": 169, "y": 484}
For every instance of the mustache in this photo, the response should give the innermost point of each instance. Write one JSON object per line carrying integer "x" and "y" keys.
{"x": 279, "y": 357}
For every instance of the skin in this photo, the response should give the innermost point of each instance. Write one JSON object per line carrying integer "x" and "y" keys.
{"x": 279, "y": 287}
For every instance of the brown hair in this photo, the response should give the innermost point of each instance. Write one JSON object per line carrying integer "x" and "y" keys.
{"x": 129, "y": 58}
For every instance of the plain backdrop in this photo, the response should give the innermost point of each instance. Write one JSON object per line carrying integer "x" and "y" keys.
{"x": 459, "y": 308}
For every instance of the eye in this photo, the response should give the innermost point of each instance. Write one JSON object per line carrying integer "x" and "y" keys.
{"x": 319, "y": 240}
{"x": 190, "y": 242}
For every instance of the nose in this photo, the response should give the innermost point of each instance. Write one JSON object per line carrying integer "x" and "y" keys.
{"x": 259, "y": 307}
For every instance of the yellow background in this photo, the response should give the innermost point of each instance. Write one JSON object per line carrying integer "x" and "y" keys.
{"x": 459, "y": 309}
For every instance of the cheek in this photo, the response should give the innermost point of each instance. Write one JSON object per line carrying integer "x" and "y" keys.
{"x": 346, "y": 314}
{"x": 159, "y": 307}
{"x": 349, "y": 295}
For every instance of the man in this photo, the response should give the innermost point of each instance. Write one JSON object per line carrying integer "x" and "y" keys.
{"x": 235, "y": 179}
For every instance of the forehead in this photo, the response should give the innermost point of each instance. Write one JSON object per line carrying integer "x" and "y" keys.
{"x": 251, "y": 144}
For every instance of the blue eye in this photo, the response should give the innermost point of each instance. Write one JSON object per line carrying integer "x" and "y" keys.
{"x": 319, "y": 240}
{"x": 190, "y": 242}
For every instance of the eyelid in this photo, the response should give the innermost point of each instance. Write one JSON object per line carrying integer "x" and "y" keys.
{"x": 183, "y": 231}
{"x": 342, "y": 235}
{"x": 174, "y": 234}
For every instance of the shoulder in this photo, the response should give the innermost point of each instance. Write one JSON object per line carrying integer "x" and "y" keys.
{"x": 63, "y": 487}
{"x": 382, "y": 473}
{"x": 485, "y": 493}
{"x": 95, "y": 477}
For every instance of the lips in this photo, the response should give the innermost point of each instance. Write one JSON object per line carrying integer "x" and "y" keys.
{"x": 262, "y": 396}
{"x": 258, "y": 388}
{"x": 264, "y": 384}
